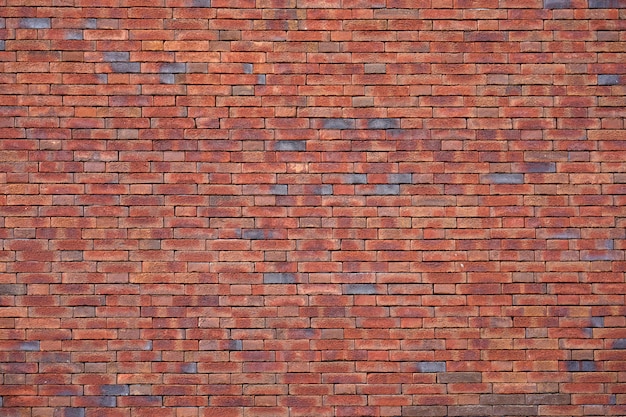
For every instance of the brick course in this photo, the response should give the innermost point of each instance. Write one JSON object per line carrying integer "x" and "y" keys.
{"x": 312, "y": 208}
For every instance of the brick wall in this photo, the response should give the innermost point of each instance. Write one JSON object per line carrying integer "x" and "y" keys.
{"x": 244, "y": 208}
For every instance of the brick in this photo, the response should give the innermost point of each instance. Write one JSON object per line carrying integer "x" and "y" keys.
{"x": 608, "y": 79}
{"x": 605, "y": 4}
{"x": 431, "y": 366}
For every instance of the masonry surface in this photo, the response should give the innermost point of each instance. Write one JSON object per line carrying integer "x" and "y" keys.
{"x": 283, "y": 208}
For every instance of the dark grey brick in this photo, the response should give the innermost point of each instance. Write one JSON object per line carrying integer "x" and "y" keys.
{"x": 115, "y": 389}
{"x": 190, "y": 368}
{"x": 588, "y": 366}
{"x": 280, "y": 189}
{"x": 91, "y": 23}
{"x": 167, "y": 79}
{"x": 503, "y": 178}
{"x": 116, "y": 56}
{"x": 459, "y": 377}
{"x": 248, "y": 68}
{"x": 383, "y": 123}
{"x": 547, "y": 399}
{"x": 355, "y": 179}
{"x": 236, "y": 345}
{"x": 30, "y": 346}
{"x": 279, "y": 278}
{"x": 534, "y": 167}
{"x": 430, "y": 366}
{"x": 12, "y": 289}
{"x": 126, "y": 67}
{"x": 74, "y": 35}
{"x": 606, "y": 4}
{"x": 500, "y": 399}
{"x": 557, "y": 4}
{"x": 387, "y": 189}
{"x": 261, "y": 79}
{"x": 34, "y": 23}
{"x": 608, "y": 79}
{"x": 470, "y": 410}
{"x": 572, "y": 366}
{"x": 290, "y": 145}
{"x": 359, "y": 289}
{"x": 173, "y": 68}
{"x": 619, "y": 344}
{"x": 400, "y": 178}
{"x": 425, "y": 411}
{"x": 326, "y": 189}
{"x": 201, "y": 3}
{"x": 69, "y": 412}
{"x": 254, "y": 234}
{"x": 515, "y": 410}
{"x": 597, "y": 322}
{"x": 339, "y": 123}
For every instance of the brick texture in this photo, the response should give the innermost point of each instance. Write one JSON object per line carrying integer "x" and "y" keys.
{"x": 312, "y": 208}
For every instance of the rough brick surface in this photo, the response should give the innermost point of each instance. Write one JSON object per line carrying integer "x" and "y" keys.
{"x": 248, "y": 208}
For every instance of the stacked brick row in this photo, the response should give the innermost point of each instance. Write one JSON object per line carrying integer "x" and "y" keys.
{"x": 312, "y": 208}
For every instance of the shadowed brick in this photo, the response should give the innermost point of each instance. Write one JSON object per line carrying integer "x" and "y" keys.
{"x": 608, "y": 79}
{"x": 279, "y": 278}
{"x": 34, "y": 23}
{"x": 290, "y": 145}
{"x": 430, "y": 367}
